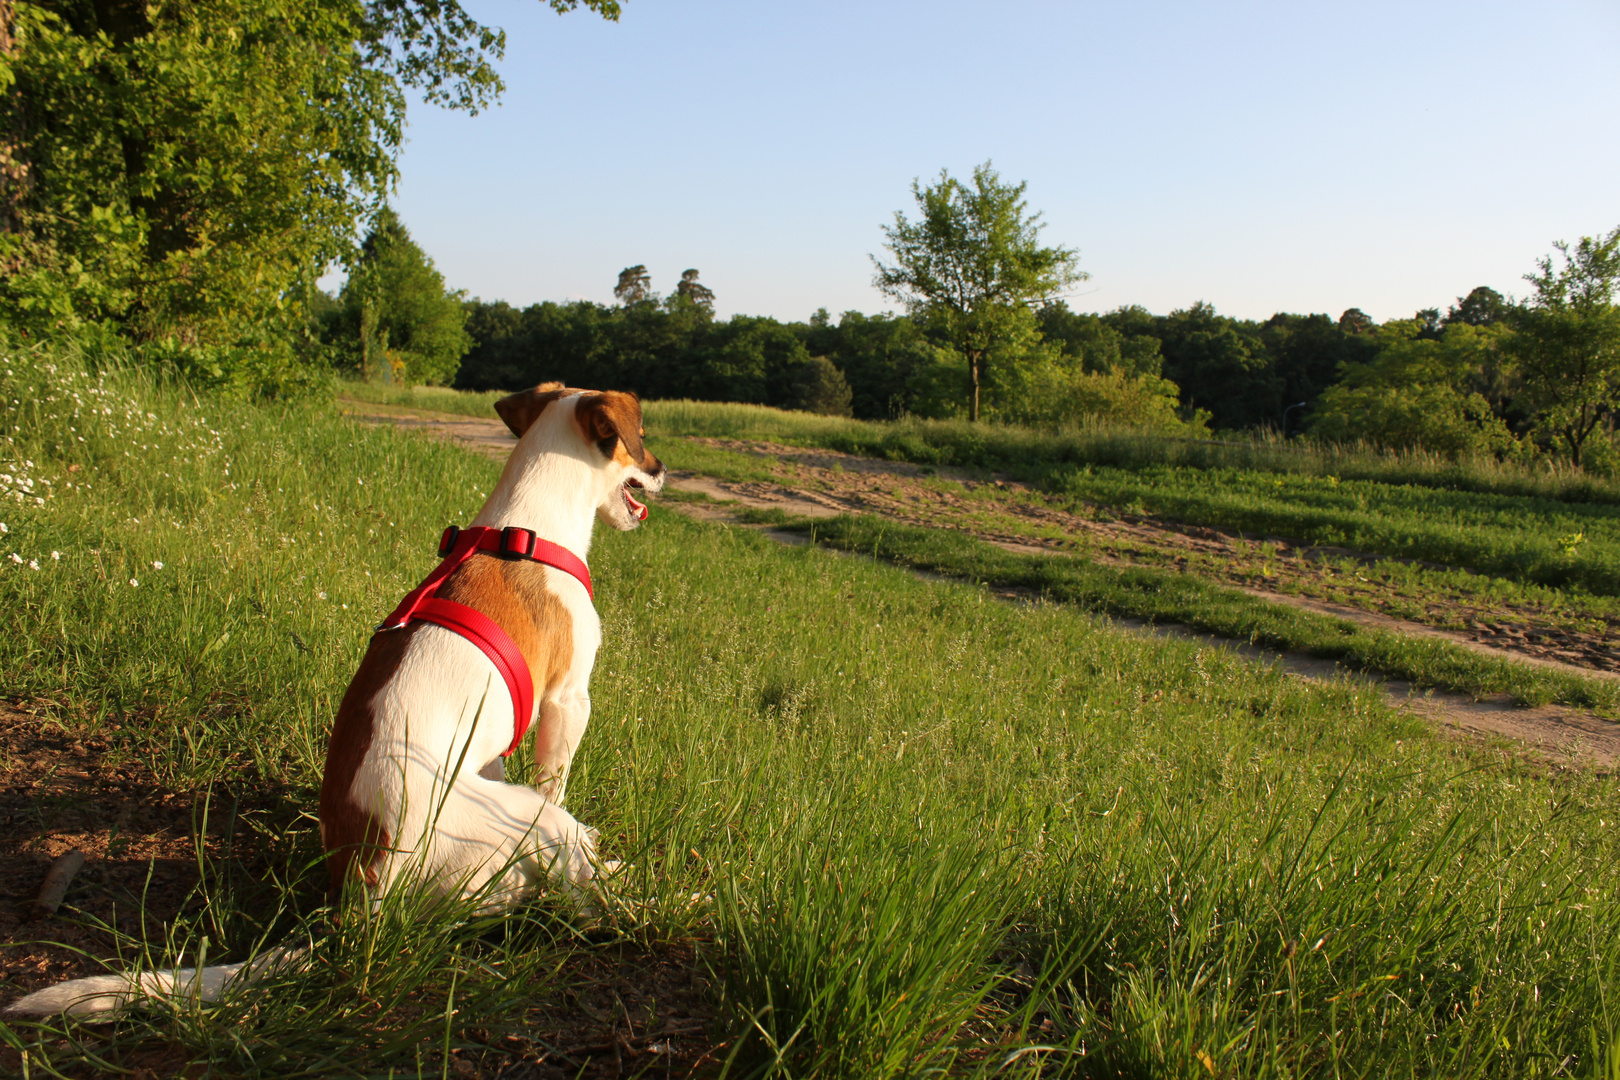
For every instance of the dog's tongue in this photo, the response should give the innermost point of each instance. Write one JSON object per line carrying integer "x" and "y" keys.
{"x": 635, "y": 507}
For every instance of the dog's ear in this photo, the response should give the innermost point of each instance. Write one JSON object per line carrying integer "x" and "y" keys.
{"x": 612, "y": 419}
{"x": 522, "y": 409}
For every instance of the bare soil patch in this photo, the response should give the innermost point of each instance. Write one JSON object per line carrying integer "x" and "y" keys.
{"x": 63, "y": 788}
{"x": 626, "y": 1012}
{"x": 486, "y": 436}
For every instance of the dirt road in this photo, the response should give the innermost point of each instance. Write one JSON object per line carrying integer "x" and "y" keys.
{"x": 814, "y": 482}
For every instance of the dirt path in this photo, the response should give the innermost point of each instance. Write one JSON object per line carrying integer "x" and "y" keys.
{"x": 1329, "y": 580}
{"x": 825, "y": 483}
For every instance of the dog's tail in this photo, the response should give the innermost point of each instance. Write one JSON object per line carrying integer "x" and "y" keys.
{"x": 105, "y": 994}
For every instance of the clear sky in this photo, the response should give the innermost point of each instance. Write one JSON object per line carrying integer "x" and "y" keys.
{"x": 1299, "y": 156}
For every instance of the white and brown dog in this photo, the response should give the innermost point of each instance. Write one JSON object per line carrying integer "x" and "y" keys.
{"x": 408, "y": 785}
{"x": 410, "y": 793}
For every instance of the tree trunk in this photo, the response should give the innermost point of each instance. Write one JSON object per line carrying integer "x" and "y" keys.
{"x": 973, "y": 370}
{"x": 368, "y": 327}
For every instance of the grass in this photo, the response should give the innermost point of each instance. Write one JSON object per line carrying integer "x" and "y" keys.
{"x": 1165, "y": 596}
{"x": 1520, "y": 538}
{"x": 1444, "y": 596}
{"x": 943, "y": 835}
{"x": 1524, "y": 542}
{"x": 1545, "y": 529}
{"x": 1043, "y": 456}
{"x": 435, "y": 398}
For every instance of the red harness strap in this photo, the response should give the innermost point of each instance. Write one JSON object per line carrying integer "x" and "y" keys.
{"x": 422, "y": 605}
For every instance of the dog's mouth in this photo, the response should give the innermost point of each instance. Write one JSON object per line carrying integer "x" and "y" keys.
{"x": 638, "y": 509}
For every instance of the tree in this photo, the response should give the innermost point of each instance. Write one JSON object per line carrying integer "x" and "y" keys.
{"x": 1221, "y": 365}
{"x": 182, "y": 172}
{"x": 406, "y": 325}
{"x": 1308, "y": 353}
{"x": 1567, "y": 340}
{"x": 688, "y": 291}
{"x": 1356, "y": 321}
{"x": 819, "y": 387}
{"x": 634, "y": 287}
{"x": 890, "y": 365}
{"x": 1481, "y": 307}
{"x": 1100, "y": 347}
{"x": 972, "y": 266}
{"x": 1420, "y": 392}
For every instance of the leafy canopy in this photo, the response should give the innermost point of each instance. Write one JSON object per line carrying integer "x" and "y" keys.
{"x": 1567, "y": 339}
{"x": 180, "y": 173}
{"x": 409, "y": 328}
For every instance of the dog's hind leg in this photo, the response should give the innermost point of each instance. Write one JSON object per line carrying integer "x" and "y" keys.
{"x": 500, "y": 842}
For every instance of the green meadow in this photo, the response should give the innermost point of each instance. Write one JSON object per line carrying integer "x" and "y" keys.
{"x": 905, "y": 828}
{"x": 1168, "y": 596}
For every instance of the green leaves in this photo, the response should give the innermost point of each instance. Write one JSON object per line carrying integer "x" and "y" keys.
{"x": 398, "y": 312}
{"x": 1567, "y": 340}
{"x": 192, "y": 167}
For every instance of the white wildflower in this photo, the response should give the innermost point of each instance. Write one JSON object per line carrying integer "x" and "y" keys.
{"x": 16, "y": 558}
{"x": 157, "y": 566}
{"x": 133, "y": 583}
{"x": 33, "y": 564}
{"x": 57, "y": 555}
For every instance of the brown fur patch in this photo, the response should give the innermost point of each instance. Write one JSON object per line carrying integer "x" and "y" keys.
{"x": 514, "y": 593}
{"x": 615, "y": 415}
{"x": 519, "y": 411}
{"x": 353, "y": 838}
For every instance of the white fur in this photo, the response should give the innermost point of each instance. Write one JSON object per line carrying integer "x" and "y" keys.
{"x": 445, "y": 716}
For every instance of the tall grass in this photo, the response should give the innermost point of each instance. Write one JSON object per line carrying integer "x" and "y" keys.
{"x": 1166, "y": 596}
{"x": 928, "y": 833}
{"x": 1522, "y": 538}
{"x": 1037, "y": 455}
{"x": 435, "y": 398}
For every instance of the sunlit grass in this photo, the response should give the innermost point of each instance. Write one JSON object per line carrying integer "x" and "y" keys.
{"x": 1168, "y": 596}
{"x": 433, "y": 398}
{"x": 1035, "y": 453}
{"x": 912, "y": 829}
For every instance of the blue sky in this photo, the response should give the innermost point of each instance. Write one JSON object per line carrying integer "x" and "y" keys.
{"x": 1263, "y": 157}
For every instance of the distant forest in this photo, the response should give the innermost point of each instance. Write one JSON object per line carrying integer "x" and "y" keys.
{"x": 1229, "y": 374}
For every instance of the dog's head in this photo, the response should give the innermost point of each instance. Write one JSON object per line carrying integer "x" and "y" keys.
{"x": 608, "y": 422}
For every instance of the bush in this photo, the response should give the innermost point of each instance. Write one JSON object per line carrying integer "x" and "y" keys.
{"x": 1440, "y": 419}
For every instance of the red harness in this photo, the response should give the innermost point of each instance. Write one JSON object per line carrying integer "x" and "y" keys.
{"x": 456, "y": 546}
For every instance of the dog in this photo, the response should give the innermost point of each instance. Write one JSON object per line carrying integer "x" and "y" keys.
{"x": 412, "y": 790}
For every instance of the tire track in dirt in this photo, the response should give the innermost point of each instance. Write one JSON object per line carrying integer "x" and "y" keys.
{"x": 826, "y": 483}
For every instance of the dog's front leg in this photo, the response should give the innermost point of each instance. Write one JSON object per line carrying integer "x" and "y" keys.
{"x": 557, "y": 736}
